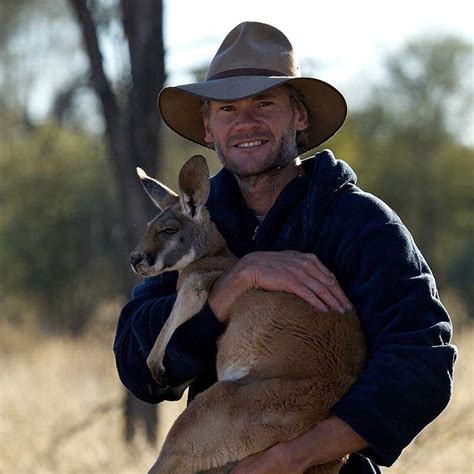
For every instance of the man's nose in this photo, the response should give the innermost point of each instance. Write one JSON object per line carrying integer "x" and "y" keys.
{"x": 247, "y": 119}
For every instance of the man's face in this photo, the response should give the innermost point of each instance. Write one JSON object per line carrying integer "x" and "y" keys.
{"x": 256, "y": 135}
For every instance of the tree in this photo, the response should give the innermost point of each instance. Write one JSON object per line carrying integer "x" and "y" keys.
{"x": 131, "y": 122}
{"x": 131, "y": 118}
{"x": 127, "y": 99}
{"x": 410, "y": 148}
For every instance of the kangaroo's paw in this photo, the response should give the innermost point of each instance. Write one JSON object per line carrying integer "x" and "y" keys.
{"x": 158, "y": 373}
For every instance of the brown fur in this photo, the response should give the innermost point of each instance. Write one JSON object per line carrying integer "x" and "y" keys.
{"x": 281, "y": 364}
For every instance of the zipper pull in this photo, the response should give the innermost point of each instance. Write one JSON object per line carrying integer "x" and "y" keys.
{"x": 255, "y": 232}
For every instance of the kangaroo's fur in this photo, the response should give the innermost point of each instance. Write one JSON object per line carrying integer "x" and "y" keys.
{"x": 281, "y": 364}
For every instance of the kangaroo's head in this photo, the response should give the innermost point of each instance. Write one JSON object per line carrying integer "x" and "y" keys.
{"x": 182, "y": 232}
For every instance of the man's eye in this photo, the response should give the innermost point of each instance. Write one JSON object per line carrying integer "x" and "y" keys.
{"x": 265, "y": 103}
{"x": 227, "y": 108}
{"x": 169, "y": 230}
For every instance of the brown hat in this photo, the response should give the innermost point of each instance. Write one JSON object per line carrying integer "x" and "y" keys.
{"x": 253, "y": 58}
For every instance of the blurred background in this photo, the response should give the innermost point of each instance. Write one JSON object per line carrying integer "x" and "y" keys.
{"x": 78, "y": 87}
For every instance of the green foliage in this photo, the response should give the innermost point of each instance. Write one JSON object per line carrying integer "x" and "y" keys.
{"x": 58, "y": 253}
{"x": 407, "y": 148}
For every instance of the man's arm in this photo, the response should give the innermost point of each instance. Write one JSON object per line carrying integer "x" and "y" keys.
{"x": 329, "y": 440}
{"x": 408, "y": 379}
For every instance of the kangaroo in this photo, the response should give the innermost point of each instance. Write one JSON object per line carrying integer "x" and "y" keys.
{"x": 281, "y": 364}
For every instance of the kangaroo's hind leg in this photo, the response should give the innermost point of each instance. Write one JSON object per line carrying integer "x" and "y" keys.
{"x": 232, "y": 420}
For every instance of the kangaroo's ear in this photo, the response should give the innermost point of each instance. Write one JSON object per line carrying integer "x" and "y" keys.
{"x": 160, "y": 194}
{"x": 194, "y": 186}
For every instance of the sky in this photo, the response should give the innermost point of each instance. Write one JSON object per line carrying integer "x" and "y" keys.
{"x": 344, "y": 40}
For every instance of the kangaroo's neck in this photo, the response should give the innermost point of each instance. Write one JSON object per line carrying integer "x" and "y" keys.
{"x": 216, "y": 263}
{"x": 216, "y": 259}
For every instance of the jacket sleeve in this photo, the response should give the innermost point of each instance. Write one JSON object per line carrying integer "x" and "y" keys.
{"x": 408, "y": 379}
{"x": 191, "y": 349}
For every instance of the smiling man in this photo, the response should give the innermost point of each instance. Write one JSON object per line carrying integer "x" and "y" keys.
{"x": 256, "y": 135}
{"x": 303, "y": 228}
{"x": 255, "y": 139}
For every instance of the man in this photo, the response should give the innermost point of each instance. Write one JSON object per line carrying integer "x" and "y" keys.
{"x": 304, "y": 228}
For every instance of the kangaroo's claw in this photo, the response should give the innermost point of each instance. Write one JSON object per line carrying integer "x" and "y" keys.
{"x": 158, "y": 373}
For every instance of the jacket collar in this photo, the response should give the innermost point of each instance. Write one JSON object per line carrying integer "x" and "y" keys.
{"x": 294, "y": 220}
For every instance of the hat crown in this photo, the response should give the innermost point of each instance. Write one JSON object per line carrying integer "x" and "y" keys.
{"x": 255, "y": 49}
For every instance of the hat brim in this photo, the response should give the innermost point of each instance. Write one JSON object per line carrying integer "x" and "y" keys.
{"x": 180, "y": 106}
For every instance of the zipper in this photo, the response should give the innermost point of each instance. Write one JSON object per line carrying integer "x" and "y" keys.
{"x": 255, "y": 232}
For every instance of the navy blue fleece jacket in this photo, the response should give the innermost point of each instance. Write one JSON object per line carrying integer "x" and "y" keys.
{"x": 408, "y": 379}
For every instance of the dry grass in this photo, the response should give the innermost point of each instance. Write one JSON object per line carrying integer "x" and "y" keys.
{"x": 60, "y": 411}
{"x": 60, "y": 407}
{"x": 447, "y": 444}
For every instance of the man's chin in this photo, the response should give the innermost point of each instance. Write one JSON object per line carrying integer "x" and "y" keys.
{"x": 255, "y": 170}
{"x": 249, "y": 166}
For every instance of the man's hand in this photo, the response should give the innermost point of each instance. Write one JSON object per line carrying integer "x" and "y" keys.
{"x": 301, "y": 274}
{"x": 330, "y": 440}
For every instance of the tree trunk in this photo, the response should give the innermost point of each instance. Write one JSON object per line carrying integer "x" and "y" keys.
{"x": 132, "y": 130}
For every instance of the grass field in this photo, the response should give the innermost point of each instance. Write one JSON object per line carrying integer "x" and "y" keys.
{"x": 60, "y": 410}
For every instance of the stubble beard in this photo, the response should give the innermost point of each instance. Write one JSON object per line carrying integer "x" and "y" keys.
{"x": 283, "y": 154}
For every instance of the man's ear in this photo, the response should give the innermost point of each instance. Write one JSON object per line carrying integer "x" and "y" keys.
{"x": 208, "y": 136}
{"x": 194, "y": 186}
{"x": 301, "y": 119}
{"x": 160, "y": 194}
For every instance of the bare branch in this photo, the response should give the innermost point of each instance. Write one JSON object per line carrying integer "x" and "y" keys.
{"x": 143, "y": 26}
{"x": 129, "y": 27}
{"x": 74, "y": 429}
{"x": 144, "y": 31}
{"x": 99, "y": 80}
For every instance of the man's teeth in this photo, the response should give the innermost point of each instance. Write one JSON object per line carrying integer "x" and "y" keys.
{"x": 250, "y": 144}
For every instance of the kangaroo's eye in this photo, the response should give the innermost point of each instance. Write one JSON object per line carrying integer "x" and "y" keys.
{"x": 169, "y": 230}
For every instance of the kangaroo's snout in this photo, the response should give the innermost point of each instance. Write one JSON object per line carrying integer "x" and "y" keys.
{"x": 135, "y": 259}
{"x": 140, "y": 259}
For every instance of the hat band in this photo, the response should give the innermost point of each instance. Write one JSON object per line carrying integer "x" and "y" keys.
{"x": 245, "y": 72}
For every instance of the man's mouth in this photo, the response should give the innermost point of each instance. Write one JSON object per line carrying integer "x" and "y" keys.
{"x": 251, "y": 144}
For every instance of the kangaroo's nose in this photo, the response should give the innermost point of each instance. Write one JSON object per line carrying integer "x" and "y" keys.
{"x": 135, "y": 259}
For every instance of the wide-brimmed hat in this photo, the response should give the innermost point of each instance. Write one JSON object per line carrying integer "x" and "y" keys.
{"x": 253, "y": 58}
